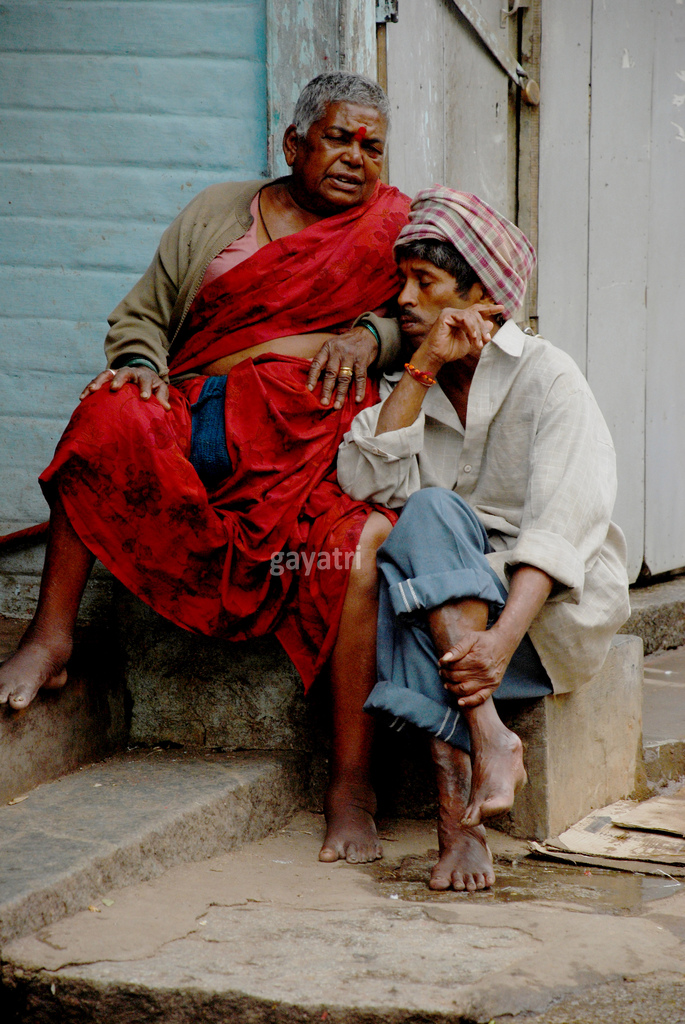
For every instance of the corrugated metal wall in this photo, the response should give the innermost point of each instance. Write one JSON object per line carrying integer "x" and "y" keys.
{"x": 113, "y": 113}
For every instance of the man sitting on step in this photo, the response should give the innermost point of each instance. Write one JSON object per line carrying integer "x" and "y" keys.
{"x": 504, "y": 578}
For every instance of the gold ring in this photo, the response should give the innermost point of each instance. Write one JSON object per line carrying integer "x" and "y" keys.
{"x": 346, "y": 371}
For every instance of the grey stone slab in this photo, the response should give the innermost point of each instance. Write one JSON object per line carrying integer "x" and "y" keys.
{"x": 64, "y": 728}
{"x": 658, "y": 615}
{"x": 197, "y": 690}
{"x": 131, "y": 818}
{"x": 266, "y": 935}
{"x": 10, "y": 830}
{"x": 382, "y": 957}
{"x": 33, "y": 859}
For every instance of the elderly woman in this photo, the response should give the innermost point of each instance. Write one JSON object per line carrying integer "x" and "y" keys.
{"x": 199, "y": 467}
{"x": 504, "y": 578}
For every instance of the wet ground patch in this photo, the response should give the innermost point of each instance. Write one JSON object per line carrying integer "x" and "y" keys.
{"x": 529, "y": 878}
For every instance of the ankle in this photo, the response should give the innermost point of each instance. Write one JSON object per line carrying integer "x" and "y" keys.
{"x": 350, "y": 788}
{"x": 501, "y": 739}
{"x": 487, "y": 728}
{"x": 54, "y": 637}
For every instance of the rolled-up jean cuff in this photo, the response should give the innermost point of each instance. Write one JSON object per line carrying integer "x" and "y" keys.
{"x": 425, "y": 592}
{"x": 404, "y": 705}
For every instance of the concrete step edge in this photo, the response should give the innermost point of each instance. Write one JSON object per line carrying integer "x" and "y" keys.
{"x": 658, "y": 615}
{"x": 260, "y": 794}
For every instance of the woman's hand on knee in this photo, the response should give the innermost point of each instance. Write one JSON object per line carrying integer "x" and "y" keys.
{"x": 352, "y": 353}
{"x": 148, "y": 382}
{"x": 473, "y": 669}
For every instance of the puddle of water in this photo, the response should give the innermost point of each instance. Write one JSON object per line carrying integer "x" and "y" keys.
{"x": 596, "y": 889}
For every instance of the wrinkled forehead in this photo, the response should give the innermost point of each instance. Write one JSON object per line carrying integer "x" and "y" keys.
{"x": 351, "y": 117}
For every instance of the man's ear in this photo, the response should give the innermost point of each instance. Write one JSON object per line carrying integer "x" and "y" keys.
{"x": 290, "y": 144}
{"x": 477, "y": 293}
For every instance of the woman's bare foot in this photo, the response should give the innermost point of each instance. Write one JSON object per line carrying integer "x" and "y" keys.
{"x": 350, "y": 828}
{"x": 465, "y": 861}
{"x": 497, "y": 765}
{"x": 37, "y": 664}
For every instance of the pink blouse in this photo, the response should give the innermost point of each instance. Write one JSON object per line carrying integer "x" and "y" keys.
{"x": 237, "y": 251}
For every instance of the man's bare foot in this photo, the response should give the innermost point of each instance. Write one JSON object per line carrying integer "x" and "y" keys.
{"x": 350, "y": 828}
{"x": 35, "y": 665}
{"x": 497, "y": 768}
{"x": 465, "y": 861}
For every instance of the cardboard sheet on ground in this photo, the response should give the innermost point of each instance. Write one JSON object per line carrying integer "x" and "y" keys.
{"x": 596, "y": 836}
{"x": 642, "y": 867}
{"x": 660, "y": 814}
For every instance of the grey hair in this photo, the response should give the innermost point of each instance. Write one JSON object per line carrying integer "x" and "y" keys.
{"x": 337, "y": 87}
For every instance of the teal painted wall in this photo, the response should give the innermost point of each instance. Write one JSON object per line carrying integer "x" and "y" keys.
{"x": 113, "y": 114}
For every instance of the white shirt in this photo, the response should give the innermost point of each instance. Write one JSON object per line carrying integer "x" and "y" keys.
{"x": 536, "y": 463}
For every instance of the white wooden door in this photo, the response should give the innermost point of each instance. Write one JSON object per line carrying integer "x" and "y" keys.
{"x": 665, "y": 337}
{"x": 612, "y": 242}
{"x": 452, "y": 119}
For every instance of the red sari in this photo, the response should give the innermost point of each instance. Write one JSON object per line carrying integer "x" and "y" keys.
{"x": 324, "y": 275}
{"x": 269, "y": 549}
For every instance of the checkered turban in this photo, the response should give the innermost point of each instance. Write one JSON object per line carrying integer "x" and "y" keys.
{"x": 496, "y": 250}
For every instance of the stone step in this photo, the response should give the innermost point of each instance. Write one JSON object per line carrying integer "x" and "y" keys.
{"x": 205, "y": 942}
{"x": 63, "y": 729}
{"x": 130, "y": 818}
{"x": 147, "y": 682}
{"x": 658, "y": 615}
{"x": 267, "y": 935}
{"x": 583, "y": 749}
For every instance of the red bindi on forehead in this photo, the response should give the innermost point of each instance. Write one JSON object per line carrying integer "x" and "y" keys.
{"x": 360, "y": 133}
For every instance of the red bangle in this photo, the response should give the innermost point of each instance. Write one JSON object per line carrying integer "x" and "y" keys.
{"x": 423, "y": 378}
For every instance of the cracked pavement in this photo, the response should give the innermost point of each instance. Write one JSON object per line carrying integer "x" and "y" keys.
{"x": 268, "y": 933}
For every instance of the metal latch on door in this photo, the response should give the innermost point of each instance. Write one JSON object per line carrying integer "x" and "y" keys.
{"x": 386, "y": 10}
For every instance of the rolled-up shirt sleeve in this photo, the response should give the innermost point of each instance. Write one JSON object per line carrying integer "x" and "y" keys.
{"x": 382, "y": 469}
{"x": 570, "y": 495}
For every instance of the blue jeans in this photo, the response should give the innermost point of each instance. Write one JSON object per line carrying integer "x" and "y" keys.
{"x": 436, "y": 553}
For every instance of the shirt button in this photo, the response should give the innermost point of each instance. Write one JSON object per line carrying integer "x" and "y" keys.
{"x": 467, "y": 469}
